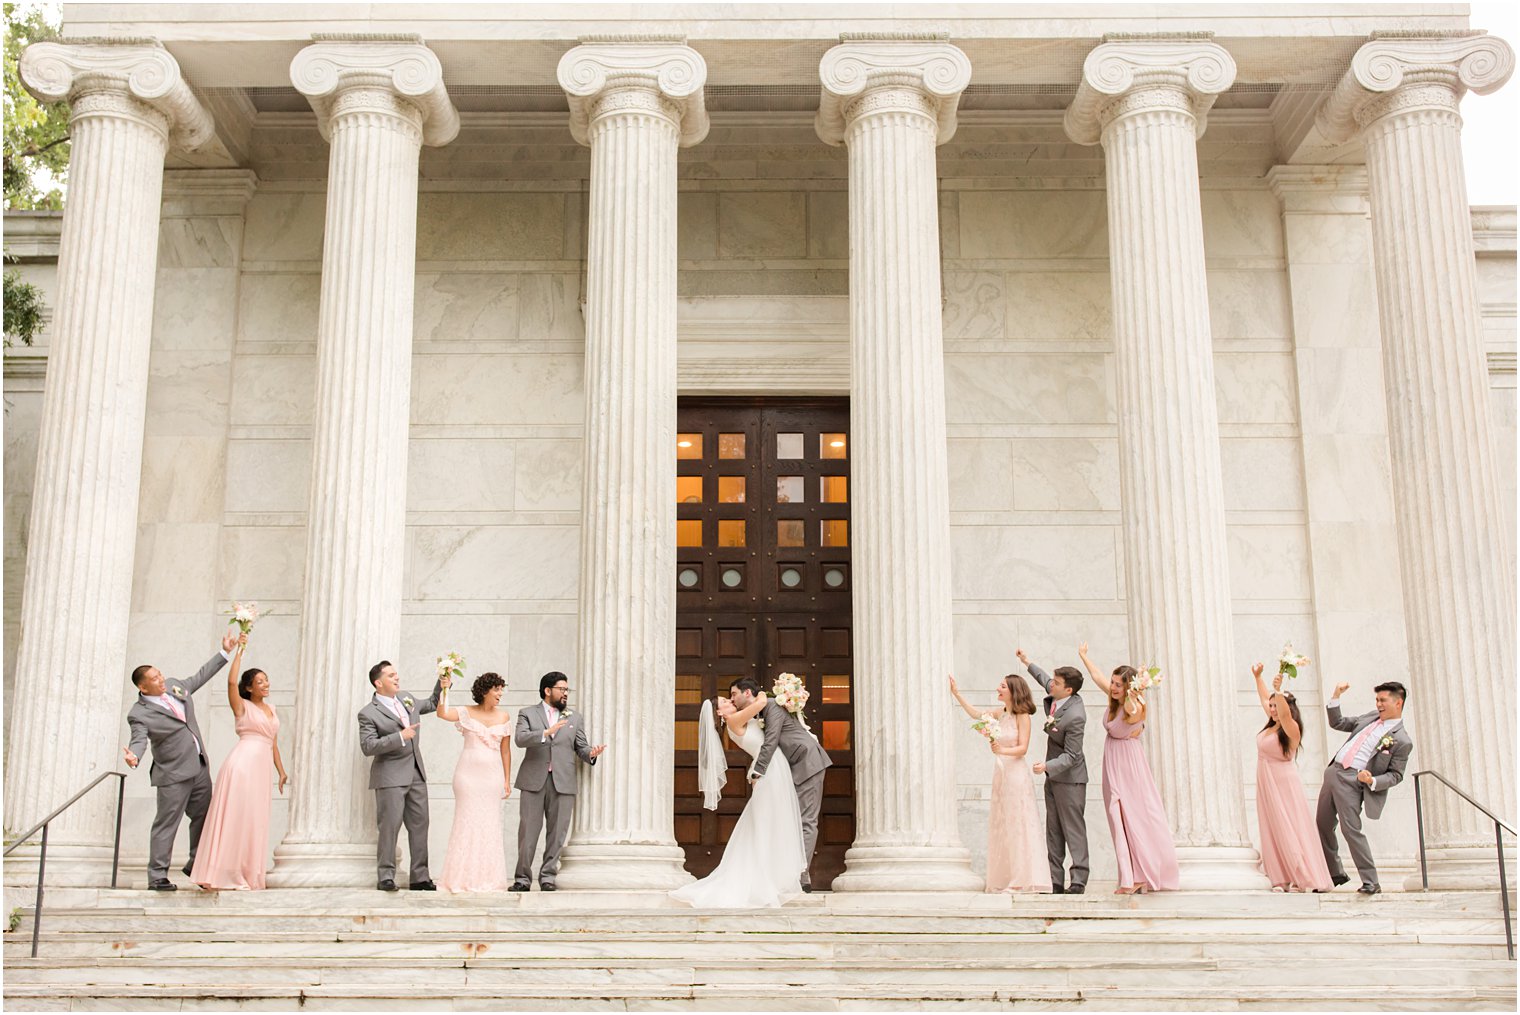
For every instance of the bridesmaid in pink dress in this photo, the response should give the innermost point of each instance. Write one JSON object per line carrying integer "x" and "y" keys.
{"x": 476, "y": 860}
{"x": 1143, "y": 843}
{"x": 1016, "y": 859}
{"x": 236, "y": 837}
{"x": 1291, "y": 855}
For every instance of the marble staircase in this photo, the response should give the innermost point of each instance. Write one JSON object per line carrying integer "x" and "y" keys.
{"x": 353, "y": 950}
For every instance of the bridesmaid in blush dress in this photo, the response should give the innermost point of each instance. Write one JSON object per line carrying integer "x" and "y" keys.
{"x": 1143, "y": 845}
{"x": 1291, "y": 855}
{"x": 476, "y": 860}
{"x": 1016, "y": 859}
{"x": 236, "y": 837}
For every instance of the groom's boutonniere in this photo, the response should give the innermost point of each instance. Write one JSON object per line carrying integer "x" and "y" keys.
{"x": 177, "y": 691}
{"x": 1385, "y": 745}
{"x": 1050, "y": 724}
{"x": 565, "y": 713}
{"x": 407, "y": 701}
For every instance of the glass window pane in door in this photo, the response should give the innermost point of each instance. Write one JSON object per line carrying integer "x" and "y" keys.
{"x": 834, "y": 532}
{"x": 689, "y": 532}
{"x": 789, "y": 490}
{"x": 730, "y": 445}
{"x": 688, "y": 445}
{"x": 833, "y": 489}
{"x": 731, "y": 489}
{"x": 688, "y": 489}
{"x": 789, "y": 445}
{"x": 790, "y": 532}
{"x": 831, "y": 445}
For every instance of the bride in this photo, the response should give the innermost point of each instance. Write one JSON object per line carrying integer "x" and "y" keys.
{"x": 763, "y": 859}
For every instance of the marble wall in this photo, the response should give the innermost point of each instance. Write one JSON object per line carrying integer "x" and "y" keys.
{"x": 494, "y": 487}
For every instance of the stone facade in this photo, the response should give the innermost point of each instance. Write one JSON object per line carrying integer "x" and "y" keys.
{"x": 492, "y": 558}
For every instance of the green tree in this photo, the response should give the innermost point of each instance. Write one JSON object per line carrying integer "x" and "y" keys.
{"x": 36, "y": 154}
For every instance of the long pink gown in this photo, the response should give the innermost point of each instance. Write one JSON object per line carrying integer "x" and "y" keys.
{"x": 1142, "y": 838}
{"x": 1290, "y": 851}
{"x": 476, "y": 861}
{"x": 235, "y": 841}
{"x": 1016, "y": 859}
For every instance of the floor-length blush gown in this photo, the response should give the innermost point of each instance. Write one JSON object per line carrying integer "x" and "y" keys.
{"x": 1016, "y": 860}
{"x": 1290, "y": 851}
{"x": 476, "y": 860}
{"x": 235, "y": 841}
{"x": 1142, "y": 838}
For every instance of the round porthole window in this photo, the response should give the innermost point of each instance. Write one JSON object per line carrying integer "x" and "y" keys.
{"x": 688, "y": 577}
{"x": 833, "y": 577}
{"x": 732, "y": 577}
{"x": 791, "y": 577}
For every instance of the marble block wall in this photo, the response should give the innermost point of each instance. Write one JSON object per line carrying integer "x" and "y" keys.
{"x": 493, "y": 494}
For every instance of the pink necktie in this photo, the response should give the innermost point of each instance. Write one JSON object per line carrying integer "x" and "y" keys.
{"x": 400, "y": 712}
{"x": 1356, "y": 745}
{"x": 179, "y": 713}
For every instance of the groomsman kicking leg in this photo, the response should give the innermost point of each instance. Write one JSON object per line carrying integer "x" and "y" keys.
{"x": 1065, "y": 770}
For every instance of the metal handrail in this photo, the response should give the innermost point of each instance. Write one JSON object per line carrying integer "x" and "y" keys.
{"x": 121, "y": 793}
{"x": 1500, "y": 827}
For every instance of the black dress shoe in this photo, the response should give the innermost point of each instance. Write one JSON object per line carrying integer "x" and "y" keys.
{"x": 386, "y": 886}
{"x": 1369, "y": 890}
{"x": 517, "y": 887}
{"x": 187, "y": 868}
{"x": 1076, "y": 890}
{"x": 1339, "y": 879}
{"x": 423, "y": 886}
{"x": 162, "y": 885}
{"x": 1057, "y": 889}
{"x": 807, "y": 886}
{"x": 546, "y": 886}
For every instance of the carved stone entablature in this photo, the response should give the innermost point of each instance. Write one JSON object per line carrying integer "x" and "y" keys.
{"x": 862, "y": 75}
{"x": 1398, "y": 72}
{"x": 119, "y": 77}
{"x": 661, "y": 76}
{"x": 401, "y": 66}
{"x": 1132, "y": 75}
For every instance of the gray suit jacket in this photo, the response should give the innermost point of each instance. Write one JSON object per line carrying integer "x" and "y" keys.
{"x": 800, "y": 748}
{"x": 397, "y": 761}
{"x": 1386, "y": 764}
{"x": 1064, "y": 760}
{"x": 561, "y": 750}
{"x": 175, "y": 758}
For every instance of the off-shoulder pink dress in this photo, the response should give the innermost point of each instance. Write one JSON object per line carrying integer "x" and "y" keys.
{"x": 476, "y": 860}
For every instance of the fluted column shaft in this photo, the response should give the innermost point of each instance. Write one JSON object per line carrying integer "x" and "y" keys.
{"x": 906, "y": 834}
{"x": 71, "y": 662}
{"x": 1459, "y": 592}
{"x": 356, "y": 520}
{"x": 624, "y": 830}
{"x": 1146, "y": 101}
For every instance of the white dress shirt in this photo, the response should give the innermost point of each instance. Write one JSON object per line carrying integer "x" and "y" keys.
{"x": 398, "y": 710}
{"x": 1380, "y": 729}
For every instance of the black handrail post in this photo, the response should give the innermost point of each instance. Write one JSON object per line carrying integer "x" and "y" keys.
{"x": 121, "y": 796}
{"x": 1419, "y": 821}
{"x": 37, "y": 911}
{"x": 1509, "y": 934}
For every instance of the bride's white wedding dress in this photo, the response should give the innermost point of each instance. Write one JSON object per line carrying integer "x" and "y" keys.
{"x": 763, "y": 861}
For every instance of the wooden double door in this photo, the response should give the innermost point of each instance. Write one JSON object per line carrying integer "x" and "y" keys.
{"x": 763, "y": 587}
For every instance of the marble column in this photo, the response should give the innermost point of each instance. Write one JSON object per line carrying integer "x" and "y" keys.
{"x": 891, "y": 102}
{"x": 130, "y": 106}
{"x": 1146, "y": 101}
{"x": 634, "y": 103}
{"x": 377, "y": 103}
{"x": 1400, "y": 97}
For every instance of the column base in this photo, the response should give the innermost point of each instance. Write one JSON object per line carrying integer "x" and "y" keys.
{"x": 1463, "y": 868}
{"x": 326, "y": 865}
{"x": 908, "y": 869}
{"x": 1220, "y": 869}
{"x": 620, "y": 866}
{"x": 70, "y": 865}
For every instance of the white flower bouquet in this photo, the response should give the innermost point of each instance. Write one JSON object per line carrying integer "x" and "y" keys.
{"x": 1289, "y": 662}
{"x": 988, "y": 727}
{"x": 791, "y": 694}
{"x": 450, "y": 665}
{"x": 243, "y": 615}
{"x": 1149, "y": 676}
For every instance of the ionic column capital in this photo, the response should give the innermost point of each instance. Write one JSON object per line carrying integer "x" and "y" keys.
{"x": 1127, "y": 76}
{"x": 866, "y": 75}
{"x": 1396, "y": 72}
{"x": 658, "y": 75}
{"x": 337, "y": 74}
{"x": 130, "y": 78}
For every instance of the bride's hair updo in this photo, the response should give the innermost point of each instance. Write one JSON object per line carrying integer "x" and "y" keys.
{"x": 483, "y": 685}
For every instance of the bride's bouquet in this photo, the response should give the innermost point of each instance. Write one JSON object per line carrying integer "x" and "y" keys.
{"x": 791, "y": 694}
{"x": 243, "y": 615}
{"x": 1289, "y": 662}
{"x": 988, "y": 727}
{"x": 1148, "y": 677}
{"x": 451, "y": 665}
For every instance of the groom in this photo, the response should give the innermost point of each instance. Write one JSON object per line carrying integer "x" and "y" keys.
{"x": 802, "y": 751}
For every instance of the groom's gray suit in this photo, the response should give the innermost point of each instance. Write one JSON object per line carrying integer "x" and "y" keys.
{"x": 1065, "y": 784}
{"x": 180, "y": 771}
{"x": 399, "y": 779}
{"x": 808, "y": 759}
{"x": 548, "y": 782}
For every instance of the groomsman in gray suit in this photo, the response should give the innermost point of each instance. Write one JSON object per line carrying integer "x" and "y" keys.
{"x": 553, "y": 737}
{"x": 1359, "y": 776}
{"x": 388, "y": 734}
{"x": 164, "y": 716}
{"x": 784, "y": 732}
{"x": 1065, "y": 769}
